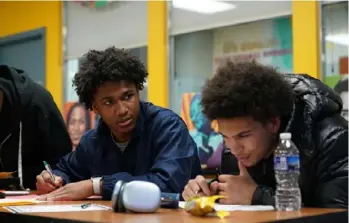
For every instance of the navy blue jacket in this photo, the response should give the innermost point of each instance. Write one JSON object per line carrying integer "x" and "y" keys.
{"x": 161, "y": 151}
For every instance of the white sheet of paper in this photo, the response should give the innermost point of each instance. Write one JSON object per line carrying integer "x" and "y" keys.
{"x": 224, "y": 207}
{"x": 55, "y": 208}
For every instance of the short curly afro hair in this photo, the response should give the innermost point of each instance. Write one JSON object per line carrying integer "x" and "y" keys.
{"x": 247, "y": 89}
{"x": 99, "y": 67}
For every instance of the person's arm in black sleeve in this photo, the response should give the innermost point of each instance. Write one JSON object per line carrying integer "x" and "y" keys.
{"x": 56, "y": 142}
{"x": 331, "y": 187}
{"x": 263, "y": 195}
{"x": 173, "y": 164}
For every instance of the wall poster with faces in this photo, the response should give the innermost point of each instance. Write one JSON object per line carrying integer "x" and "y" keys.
{"x": 78, "y": 120}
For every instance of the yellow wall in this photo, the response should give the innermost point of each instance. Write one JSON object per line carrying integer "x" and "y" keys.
{"x": 306, "y": 37}
{"x": 16, "y": 17}
{"x": 158, "y": 86}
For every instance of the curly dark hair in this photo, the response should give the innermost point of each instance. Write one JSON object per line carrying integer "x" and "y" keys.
{"x": 99, "y": 67}
{"x": 247, "y": 89}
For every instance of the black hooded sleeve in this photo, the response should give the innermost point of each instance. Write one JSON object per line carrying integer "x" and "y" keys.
{"x": 55, "y": 140}
{"x": 32, "y": 124}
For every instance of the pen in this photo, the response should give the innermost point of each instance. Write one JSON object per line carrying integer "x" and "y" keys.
{"x": 214, "y": 179}
{"x": 49, "y": 170}
{"x": 211, "y": 181}
{"x": 84, "y": 206}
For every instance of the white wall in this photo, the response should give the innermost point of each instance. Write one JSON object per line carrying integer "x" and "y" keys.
{"x": 122, "y": 25}
{"x": 245, "y": 11}
{"x": 125, "y": 24}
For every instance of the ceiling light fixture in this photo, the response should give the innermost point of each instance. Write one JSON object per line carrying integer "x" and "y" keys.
{"x": 342, "y": 39}
{"x": 203, "y": 6}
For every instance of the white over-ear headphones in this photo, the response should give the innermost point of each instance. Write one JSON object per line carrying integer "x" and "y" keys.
{"x": 141, "y": 197}
{"x": 136, "y": 196}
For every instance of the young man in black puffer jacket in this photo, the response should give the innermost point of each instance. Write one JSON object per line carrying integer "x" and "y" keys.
{"x": 252, "y": 104}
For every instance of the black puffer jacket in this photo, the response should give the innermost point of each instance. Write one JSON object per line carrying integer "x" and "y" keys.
{"x": 321, "y": 135}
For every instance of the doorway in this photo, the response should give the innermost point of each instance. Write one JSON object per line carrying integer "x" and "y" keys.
{"x": 26, "y": 51}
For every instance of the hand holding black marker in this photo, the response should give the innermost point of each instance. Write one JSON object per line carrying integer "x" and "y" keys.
{"x": 210, "y": 182}
{"x": 199, "y": 186}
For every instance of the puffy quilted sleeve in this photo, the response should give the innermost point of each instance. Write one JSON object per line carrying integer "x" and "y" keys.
{"x": 331, "y": 188}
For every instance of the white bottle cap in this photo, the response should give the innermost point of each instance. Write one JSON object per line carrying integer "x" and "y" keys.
{"x": 285, "y": 135}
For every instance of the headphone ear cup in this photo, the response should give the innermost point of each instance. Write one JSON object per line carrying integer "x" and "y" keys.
{"x": 117, "y": 197}
{"x": 141, "y": 197}
{"x": 121, "y": 206}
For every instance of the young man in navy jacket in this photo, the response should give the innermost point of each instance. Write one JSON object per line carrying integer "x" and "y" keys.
{"x": 134, "y": 140}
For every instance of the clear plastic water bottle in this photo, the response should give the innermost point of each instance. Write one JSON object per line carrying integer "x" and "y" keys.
{"x": 286, "y": 166}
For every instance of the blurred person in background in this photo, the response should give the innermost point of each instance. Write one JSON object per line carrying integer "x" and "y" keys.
{"x": 32, "y": 127}
{"x": 78, "y": 122}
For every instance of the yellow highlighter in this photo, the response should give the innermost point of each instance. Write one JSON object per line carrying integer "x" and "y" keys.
{"x": 15, "y": 202}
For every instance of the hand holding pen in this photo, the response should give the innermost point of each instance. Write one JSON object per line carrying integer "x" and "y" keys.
{"x": 47, "y": 182}
{"x": 200, "y": 187}
{"x": 49, "y": 170}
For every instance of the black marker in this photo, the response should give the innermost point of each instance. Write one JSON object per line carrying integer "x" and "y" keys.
{"x": 211, "y": 181}
{"x": 214, "y": 179}
{"x": 84, "y": 206}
